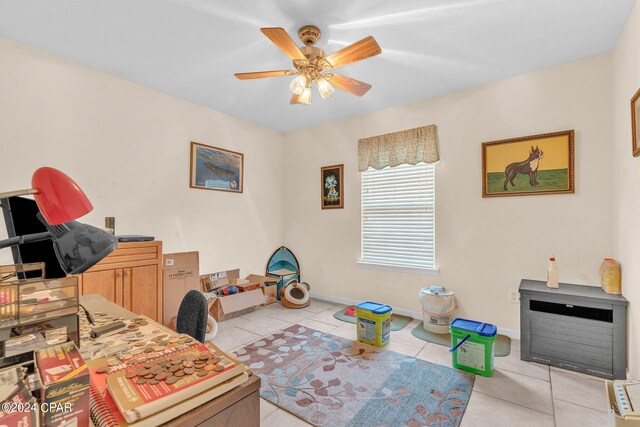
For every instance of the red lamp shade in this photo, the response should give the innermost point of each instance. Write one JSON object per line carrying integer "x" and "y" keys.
{"x": 58, "y": 197}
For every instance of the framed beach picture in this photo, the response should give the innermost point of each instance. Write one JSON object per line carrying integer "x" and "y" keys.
{"x": 331, "y": 188}
{"x": 215, "y": 168}
{"x": 529, "y": 165}
{"x": 635, "y": 126}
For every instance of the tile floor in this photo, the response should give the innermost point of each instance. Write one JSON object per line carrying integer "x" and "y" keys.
{"x": 519, "y": 393}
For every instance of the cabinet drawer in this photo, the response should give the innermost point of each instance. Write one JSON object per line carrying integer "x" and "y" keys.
{"x": 127, "y": 254}
{"x": 131, "y": 254}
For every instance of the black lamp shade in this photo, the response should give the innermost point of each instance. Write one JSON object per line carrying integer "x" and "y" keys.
{"x": 80, "y": 246}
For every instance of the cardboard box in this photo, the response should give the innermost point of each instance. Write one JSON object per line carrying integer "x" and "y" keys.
{"x": 268, "y": 285}
{"x": 180, "y": 274}
{"x": 249, "y": 286}
{"x": 270, "y": 294}
{"x": 226, "y": 307}
{"x": 25, "y": 413}
{"x": 616, "y": 420}
{"x": 213, "y": 281}
{"x": 65, "y": 385}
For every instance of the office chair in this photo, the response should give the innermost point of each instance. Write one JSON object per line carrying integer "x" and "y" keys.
{"x": 193, "y": 317}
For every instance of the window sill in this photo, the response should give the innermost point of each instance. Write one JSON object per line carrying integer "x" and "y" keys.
{"x": 399, "y": 268}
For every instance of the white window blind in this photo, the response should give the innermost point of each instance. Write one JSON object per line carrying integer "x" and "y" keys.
{"x": 398, "y": 216}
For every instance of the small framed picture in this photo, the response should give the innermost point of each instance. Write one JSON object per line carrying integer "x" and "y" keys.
{"x": 331, "y": 189}
{"x": 635, "y": 126}
{"x": 529, "y": 165}
{"x": 214, "y": 168}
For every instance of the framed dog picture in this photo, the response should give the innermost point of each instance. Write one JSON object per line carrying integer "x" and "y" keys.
{"x": 635, "y": 126}
{"x": 529, "y": 165}
{"x": 331, "y": 189}
{"x": 215, "y": 168}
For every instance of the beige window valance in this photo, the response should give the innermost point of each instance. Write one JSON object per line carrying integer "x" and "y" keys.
{"x": 409, "y": 146}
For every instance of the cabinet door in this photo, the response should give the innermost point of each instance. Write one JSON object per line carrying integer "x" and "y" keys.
{"x": 141, "y": 290}
{"x": 107, "y": 283}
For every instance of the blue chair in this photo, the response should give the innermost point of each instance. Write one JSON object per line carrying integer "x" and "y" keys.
{"x": 193, "y": 315}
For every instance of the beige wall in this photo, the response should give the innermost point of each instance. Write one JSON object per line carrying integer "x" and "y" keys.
{"x": 483, "y": 246}
{"x": 626, "y": 179}
{"x": 127, "y": 146}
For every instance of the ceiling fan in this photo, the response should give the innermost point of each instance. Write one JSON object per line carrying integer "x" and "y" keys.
{"x": 310, "y": 64}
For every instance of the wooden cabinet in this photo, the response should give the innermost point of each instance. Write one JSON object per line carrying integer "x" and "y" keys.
{"x": 131, "y": 276}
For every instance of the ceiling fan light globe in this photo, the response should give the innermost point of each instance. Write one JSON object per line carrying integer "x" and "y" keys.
{"x": 325, "y": 89}
{"x": 305, "y": 96}
{"x": 298, "y": 84}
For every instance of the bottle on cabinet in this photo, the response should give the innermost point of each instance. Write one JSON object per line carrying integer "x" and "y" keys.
{"x": 552, "y": 273}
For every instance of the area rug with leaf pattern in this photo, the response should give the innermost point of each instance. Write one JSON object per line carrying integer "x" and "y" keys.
{"x": 331, "y": 381}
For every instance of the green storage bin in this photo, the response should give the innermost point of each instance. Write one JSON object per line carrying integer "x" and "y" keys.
{"x": 472, "y": 346}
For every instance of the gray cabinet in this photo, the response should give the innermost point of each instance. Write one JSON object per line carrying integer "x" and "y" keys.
{"x": 575, "y": 327}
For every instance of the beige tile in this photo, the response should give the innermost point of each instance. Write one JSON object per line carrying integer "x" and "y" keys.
{"x": 570, "y": 415}
{"x": 265, "y": 325}
{"x": 484, "y": 410}
{"x": 281, "y": 418}
{"x": 577, "y": 374}
{"x": 411, "y": 326}
{"x": 515, "y": 388}
{"x": 266, "y": 408}
{"x": 404, "y": 336}
{"x": 230, "y": 323}
{"x": 234, "y": 337}
{"x": 327, "y": 317}
{"x": 578, "y": 390}
{"x": 258, "y": 314}
{"x": 317, "y": 306}
{"x": 279, "y": 308}
{"x": 400, "y": 347}
{"x": 344, "y": 330}
{"x": 513, "y": 363}
{"x": 318, "y": 326}
{"x": 435, "y": 353}
{"x": 291, "y": 315}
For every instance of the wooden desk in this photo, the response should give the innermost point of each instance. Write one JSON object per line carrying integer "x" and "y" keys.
{"x": 238, "y": 407}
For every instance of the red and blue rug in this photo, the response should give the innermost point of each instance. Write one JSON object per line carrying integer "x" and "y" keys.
{"x": 331, "y": 381}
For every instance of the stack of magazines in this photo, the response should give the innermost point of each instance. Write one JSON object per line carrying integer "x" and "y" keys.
{"x": 159, "y": 384}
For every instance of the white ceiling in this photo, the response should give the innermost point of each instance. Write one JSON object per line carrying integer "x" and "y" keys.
{"x": 191, "y": 48}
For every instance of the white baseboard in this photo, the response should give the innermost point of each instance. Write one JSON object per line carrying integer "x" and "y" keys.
{"x": 414, "y": 314}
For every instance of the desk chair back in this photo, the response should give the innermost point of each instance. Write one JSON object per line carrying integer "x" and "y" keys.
{"x": 192, "y": 316}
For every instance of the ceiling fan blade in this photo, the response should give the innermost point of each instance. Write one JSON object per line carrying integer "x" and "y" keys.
{"x": 365, "y": 48}
{"x": 284, "y": 42}
{"x": 347, "y": 84}
{"x": 263, "y": 74}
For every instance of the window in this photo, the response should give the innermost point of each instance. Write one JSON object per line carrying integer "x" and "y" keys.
{"x": 398, "y": 218}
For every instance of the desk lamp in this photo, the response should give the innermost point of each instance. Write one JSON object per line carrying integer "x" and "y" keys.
{"x": 58, "y": 197}
{"x": 60, "y": 200}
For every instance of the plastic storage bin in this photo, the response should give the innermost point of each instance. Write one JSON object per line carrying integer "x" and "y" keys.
{"x": 472, "y": 346}
{"x": 373, "y": 323}
{"x": 438, "y": 307}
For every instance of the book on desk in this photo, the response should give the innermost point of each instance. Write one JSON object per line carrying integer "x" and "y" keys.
{"x": 162, "y": 377}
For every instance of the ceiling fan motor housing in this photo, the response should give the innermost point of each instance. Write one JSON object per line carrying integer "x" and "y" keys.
{"x": 309, "y": 34}
{"x": 312, "y": 67}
